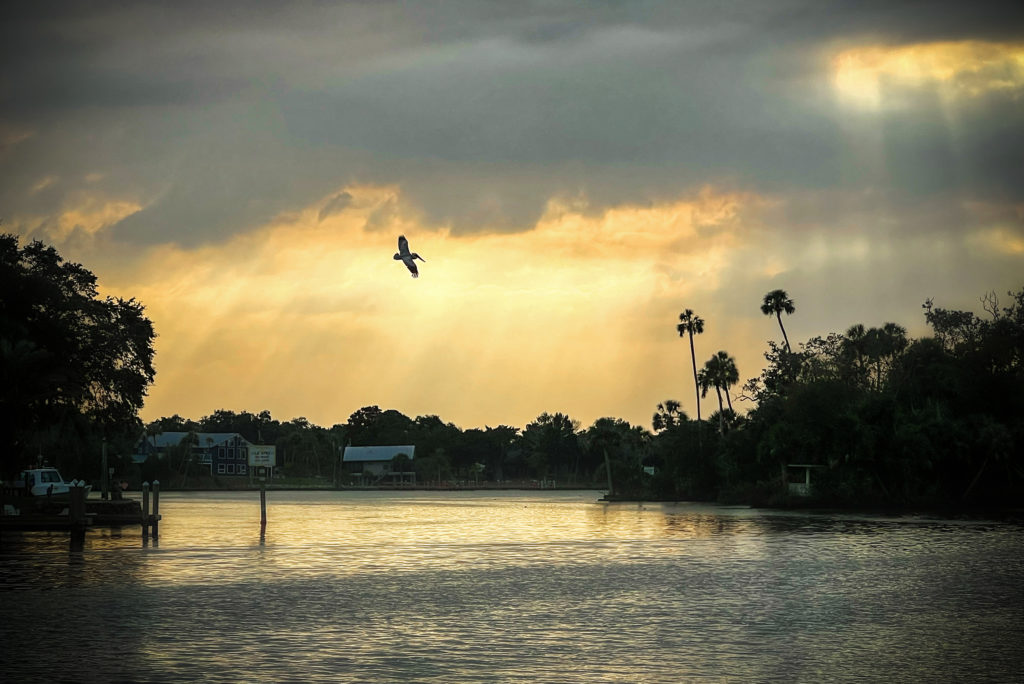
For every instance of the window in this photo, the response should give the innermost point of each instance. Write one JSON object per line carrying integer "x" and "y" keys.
{"x": 241, "y": 469}
{"x": 220, "y": 451}
{"x": 220, "y": 468}
{"x": 231, "y": 468}
{"x": 231, "y": 453}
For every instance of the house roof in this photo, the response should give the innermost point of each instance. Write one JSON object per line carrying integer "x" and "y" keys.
{"x": 376, "y": 453}
{"x": 203, "y": 439}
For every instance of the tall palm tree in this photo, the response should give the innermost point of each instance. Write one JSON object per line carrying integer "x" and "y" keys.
{"x": 778, "y": 302}
{"x": 728, "y": 373}
{"x": 721, "y": 373}
{"x": 692, "y": 324}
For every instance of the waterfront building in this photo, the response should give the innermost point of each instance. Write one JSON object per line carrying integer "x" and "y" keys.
{"x": 375, "y": 464}
{"x": 224, "y": 453}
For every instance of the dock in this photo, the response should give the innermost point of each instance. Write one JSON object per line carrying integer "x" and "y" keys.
{"x": 40, "y": 513}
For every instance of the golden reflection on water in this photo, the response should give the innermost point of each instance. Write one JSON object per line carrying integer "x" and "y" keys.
{"x": 514, "y": 586}
{"x": 332, "y": 533}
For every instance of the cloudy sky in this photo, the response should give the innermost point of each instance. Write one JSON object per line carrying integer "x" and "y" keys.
{"x": 575, "y": 175}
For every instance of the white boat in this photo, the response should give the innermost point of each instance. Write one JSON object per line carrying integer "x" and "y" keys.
{"x": 46, "y": 482}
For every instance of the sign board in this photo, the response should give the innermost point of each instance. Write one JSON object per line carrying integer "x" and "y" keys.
{"x": 261, "y": 455}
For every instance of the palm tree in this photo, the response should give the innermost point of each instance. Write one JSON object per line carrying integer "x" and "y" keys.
{"x": 728, "y": 374}
{"x": 721, "y": 373}
{"x": 706, "y": 378}
{"x": 692, "y": 324}
{"x": 776, "y": 302}
{"x": 882, "y": 346}
{"x": 668, "y": 415}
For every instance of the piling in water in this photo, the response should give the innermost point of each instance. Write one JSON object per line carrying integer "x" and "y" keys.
{"x": 76, "y": 515}
{"x": 263, "y": 508}
{"x": 156, "y": 508}
{"x": 145, "y": 510}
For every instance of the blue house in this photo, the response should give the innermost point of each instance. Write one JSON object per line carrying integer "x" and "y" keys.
{"x": 225, "y": 453}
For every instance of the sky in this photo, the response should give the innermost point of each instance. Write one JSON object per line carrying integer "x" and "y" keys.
{"x": 574, "y": 174}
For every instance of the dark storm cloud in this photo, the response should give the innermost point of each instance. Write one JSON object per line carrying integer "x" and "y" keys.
{"x": 217, "y": 116}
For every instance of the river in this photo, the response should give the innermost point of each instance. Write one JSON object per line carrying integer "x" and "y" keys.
{"x": 542, "y": 586}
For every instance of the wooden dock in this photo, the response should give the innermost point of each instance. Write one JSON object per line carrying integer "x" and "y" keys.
{"x": 39, "y": 513}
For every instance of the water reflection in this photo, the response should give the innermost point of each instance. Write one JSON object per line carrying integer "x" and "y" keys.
{"x": 504, "y": 586}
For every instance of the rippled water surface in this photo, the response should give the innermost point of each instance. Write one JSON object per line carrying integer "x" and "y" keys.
{"x": 513, "y": 587}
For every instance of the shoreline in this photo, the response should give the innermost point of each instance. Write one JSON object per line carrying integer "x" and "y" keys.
{"x": 937, "y": 509}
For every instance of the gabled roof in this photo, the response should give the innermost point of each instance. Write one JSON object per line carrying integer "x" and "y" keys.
{"x": 376, "y": 453}
{"x": 203, "y": 439}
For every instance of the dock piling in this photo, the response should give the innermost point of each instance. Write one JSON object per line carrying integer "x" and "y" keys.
{"x": 156, "y": 509}
{"x": 145, "y": 510}
{"x": 105, "y": 474}
{"x": 263, "y": 507}
{"x": 76, "y": 515}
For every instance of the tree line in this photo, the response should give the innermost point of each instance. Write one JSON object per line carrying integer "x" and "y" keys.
{"x": 551, "y": 447}
{"x": 883, "y": 418}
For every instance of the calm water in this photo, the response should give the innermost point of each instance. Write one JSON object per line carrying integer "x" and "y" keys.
{"x": 513, "y": 587}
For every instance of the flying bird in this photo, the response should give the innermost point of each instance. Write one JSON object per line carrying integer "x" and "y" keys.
{"x": 407, "y": 257}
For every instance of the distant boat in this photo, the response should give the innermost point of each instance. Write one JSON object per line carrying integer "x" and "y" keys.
{"x": 45, "y": 482}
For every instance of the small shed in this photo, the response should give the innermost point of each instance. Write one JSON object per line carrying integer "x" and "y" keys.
{"x": 375, "y": 463}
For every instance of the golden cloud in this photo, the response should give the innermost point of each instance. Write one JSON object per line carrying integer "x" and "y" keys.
{"x": 92, "y": 214}
{"x": 81, "y": 219}
{"x": 1001, "y": 240}
{"x": 872, "y": 77}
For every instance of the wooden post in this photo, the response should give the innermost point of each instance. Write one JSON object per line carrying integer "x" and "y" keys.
{"x": 156, "y": 509}
{"x": 145, "y": 510}
{"x": 105, "y": 475}
{"x": 76, "y": 515}
{"x": 263, "y": 507}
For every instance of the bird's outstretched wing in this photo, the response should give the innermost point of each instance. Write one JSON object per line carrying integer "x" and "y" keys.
{"x": 403, "y": 246}
{"x": 412, "y": 267}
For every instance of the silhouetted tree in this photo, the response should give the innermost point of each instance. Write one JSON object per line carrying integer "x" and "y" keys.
{"x": 719, "y": 372}
{"x": 728, "y": 374}
{"x": 691, "y": 324}
{"x": 551, "y": 444}
{"x": 624, "y": 447}
{"x": 669, "y": 414}
{"x": 74, "y": 367}
{"x": 501, "y": 440}
{"x": 776, "y": 303}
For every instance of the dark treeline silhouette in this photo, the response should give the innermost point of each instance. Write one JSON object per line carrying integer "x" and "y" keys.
{"x": 885, "y": 418}
{"x": 551, "y": 447}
